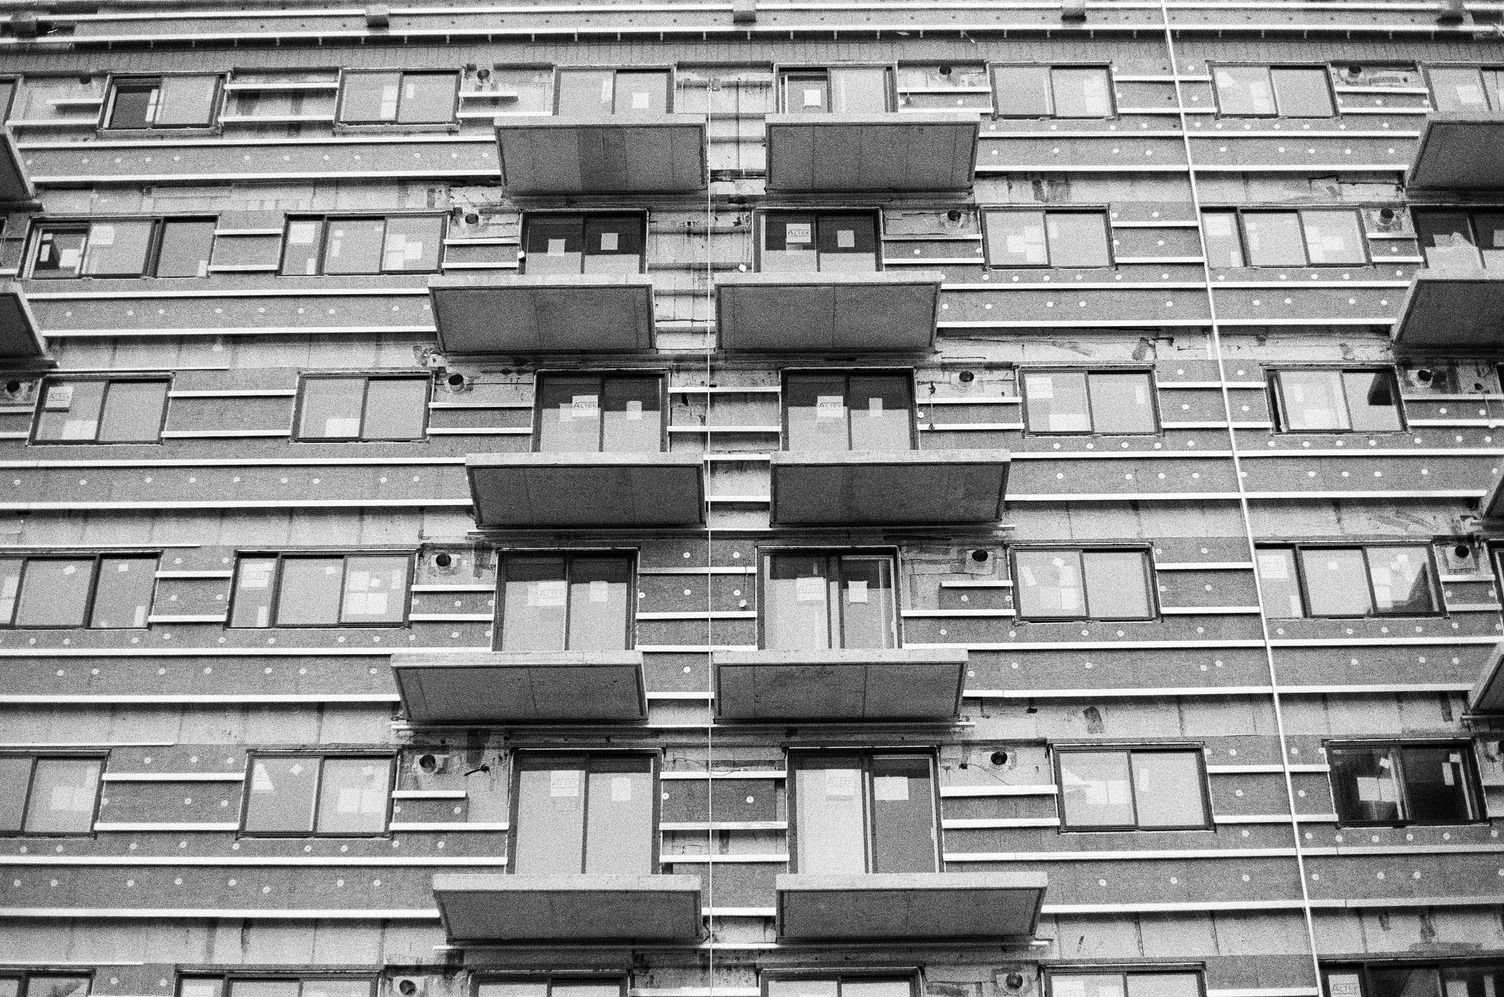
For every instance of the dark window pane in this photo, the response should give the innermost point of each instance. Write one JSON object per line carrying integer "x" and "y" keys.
{"x": 70, "y": 411}
{"x": 427, "y": 98}
{"x": 15, "y": 776}
{"x": 1056, "y": 402}
{"x": 54, "y": 593}
{"x": 1274, "y": 239}
{"x": 122, "y": 596}
{"x": 903, "y": 814}
{"x": 117, "y": 249}
{"x": 1244, "y": 90}
{"x": 881, "y": 413}
{"x": 1333, "y": 237}
{"x": 847, "y": 243}
{"x": 789, "y": 243}
{"x": 866, "y": 603}
{"x": 63, "y": 792}
{"x": 1336, "y": 582}
{"x": 187, "y": 101}
{"x": 48, "y": 985}
{"x": 1096, "y": 789}
{"x": 375, "y": 590}
{"x": 1280, "y": 585}
{"x": 585, "y": 93}
{"x": 309, "y": 591}
{"x": 331, "y": 408}
{"x": 1081, "y": 93}
{"x": 354, "y": 245}
{"x": 10, "y": 586}
{"x": 569, "y": 415}
{"x": 619, "y": 829}
{"x": 133, "y": 412}
{"x": 1016, "y": 239}
{"x": 1220, "y": 230}
{"x": 281, "y": 794}
{"x": 1446, "y": 240}
{"x": 613, "y": 244}
{"x": 1403, "y": 580}
{"x": 830, "y": 829}
{"x": 1365, "y": 784}
{"x": 1122, "y": 403}
{"x": 59, "y": 253}
{"x": 135, "y": 104}
{"x": 1402, "y": 981}
{"x": 640, "y": 93}
{"x": 1372, "y": 400}
{"x": 301, "y": 256}
{"x": 1167, "y": 789}
{"x": 412, "y": 243}
{"x": 534, "y": 603}
{"x": 1021, "y": 91}
{"x": 253, "y": 592}
{"x": 817, "y": 415}
{"x": 1488, "y": 231}
{"x": 1312, "y": 400}
{"x": 1117, "y": 584}
{"x": 185, "y": 249}
{"x": 396, "y": 408}
{"x": 598, "y": 601}
{"x": 550, "y": 832}
{"x": 369, "y": 98}
{"x": 555, "y": 244}
{"x": 1457, "y": 89}
{"x": 353, "y": 796}
{"x": 859, "y": 90}
{"x": 1048, "y": 584}
{"x": 1472, "y": 981}
{"x": 796, "y": 602}
{"x": 1437, "y": 785}
{"x": 632, "y": 415}
{"x": 1302, "y": 92}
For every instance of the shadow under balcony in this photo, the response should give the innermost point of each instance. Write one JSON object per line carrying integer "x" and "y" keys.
{"x": 629, "y": 154}
{"x": 889, "y": 487}
{"x": 511, "y": 687}
{"x": 928, "y": 906}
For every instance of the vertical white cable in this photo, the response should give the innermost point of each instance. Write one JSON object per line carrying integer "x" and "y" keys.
{"x": 709, "y": 577}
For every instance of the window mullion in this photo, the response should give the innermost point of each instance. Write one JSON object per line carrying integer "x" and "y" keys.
{"x": 584, "y": 804}
{"x": 365, "y": 403}
{"x": 835, "y": 617}
{"x": 869, "y": 815}
{"x": 569, "y": 600}
{"x": 1133, "y": 789}
{"x": 318, "y": 792}
{"x": 26, "y": 800}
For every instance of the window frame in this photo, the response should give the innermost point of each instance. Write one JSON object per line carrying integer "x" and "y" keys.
{"x": 1101, "y": 212}
{"x": 452, "y": 122}
{"x": 1241, "y": 213}
{"x": 1471, "y": 778}
{"x": 1439, "y": 966}
{"x": 1151, "y": 580}
{"x": 344, "y": 554}
{"x": 771, "y": 550}
{"x": 528, "y": 216}
{"x": 390, "y": 757}
{"x": 1058, "y": 750}
{"x": 760, "y": 231}
{"x": 630, "y": 556}
{"x": 548, "y": 978}
{"x": 366, "y": 378}
{"x": 1273, "y": 395}
{"x": 1438, "y": 590}
{"x": 1269, "y": 67}
{"x": 52, "y": 380}
{"x": 624, "y": 373}
{"x": 842, "y": 976}
{"x": 616, "y": 69}
{"x": 782, "y": 71}
{"x": 98, "y": 557}
{"x": 23, "y": 976}
{"x": 847, "y": 373}
{"x": 226, "y": 980}
{"x": 322, "y": 241}
{"x": 150, "y": 264}
{"x": 866, "y": 754}
{"x": 1489, "y": 101}
{"x": 655, "y": 797}
{"x": 102, "y": 757}
{"x": 107, "y": 106}
{"x": 1049, "y": 69}
{"x": 1470, "y": 211}
{"x": 1021, "y": 382}
{"x": 1198, "y": 970}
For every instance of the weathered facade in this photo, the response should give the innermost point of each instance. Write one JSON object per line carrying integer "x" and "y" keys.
{"x": 740, "y": 499}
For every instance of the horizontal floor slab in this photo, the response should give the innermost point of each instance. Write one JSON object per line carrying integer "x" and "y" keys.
{"x": 518, "y": 313}
{"x": 581, "y": 490}
{"x": 890, "y": 486}
{"x": 648, "y": 154}
{"x": 848, "y": 312}
{"x": 1452, "y": 311}
{"x": 1459, "y": 150}
{"x": 484, "y": 907}
{"x": 864, "y": 152}
{"x": 921, "y": 905}
{"x": 839, "y": 684}
{"x": 481, "y": 687}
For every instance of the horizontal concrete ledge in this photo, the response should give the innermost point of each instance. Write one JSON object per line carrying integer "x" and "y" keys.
{"x": 927, "y": 487}
{"x": 1452, "y": 311}
{"x": 521, "y": 687}
{"x": 866, "y": 152}
{"x": 520, "y": 908}
{"x": 929, "y": 905}
{"x": 862, "y": 313}
{"x": 621, "y": 154}
{"x": 581, "y": 490}
{"x": 544, "y": 313}
{"x": 839, "y": 684}
{"x": 1458, "y": 150}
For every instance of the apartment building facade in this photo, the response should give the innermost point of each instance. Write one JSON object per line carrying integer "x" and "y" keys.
{"x": 751, "y": 499}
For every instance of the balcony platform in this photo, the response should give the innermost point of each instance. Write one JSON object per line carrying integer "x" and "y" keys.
{"x": 15, "y": 186}
{"x": 839, "y": 684}
{"x": 1452, "y": 310}
{"x": 486, "y": 908}
{"x": 546, "y": 313}
{"x": 648, "y": 154}
{"x": 922, "y": 905}
{"x": 506, "y": 687}
{"x": 514, "y": 491}
{"x": 879, "y": 312}
{"x": 20, "y": 341}
{"x": 1487, "y": 695}
{"x": 865, "y": 152}
{"x": 866, "y": 488}
{"x": 1459, "y": 150}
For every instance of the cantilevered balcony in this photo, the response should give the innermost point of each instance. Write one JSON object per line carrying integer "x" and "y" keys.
{"x": 631, "y": 154}
{"x": 839, "y": 684}
{"x": 586, "y": 490}
{"x": 889, "y": 487}
{"x": 1452, "y": 311}
{"x": 878, "y": 312}
{"x": 480, "y": 908}
{"x": 866, "y": 152}
{"x": 19, "y": 339}
{"x": 922, "y": 905}
{"x": 508, "y": 687}
{"x": 15, "y": 186}
{"x": 545, "y": 313}
{"x": 1487, "y": 695}
{"x": 1459, "y": 150}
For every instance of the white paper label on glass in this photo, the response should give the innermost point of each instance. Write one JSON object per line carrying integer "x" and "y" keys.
{"x": 875, "y": 408}
{"x": 1343, "y": 985}
{"x": 856, "y": 591}
{"x": 302, "y": 233}
{"x": 102, "y": 235}
{"x": 640, "y": 101}
{"x": 634, "y": 410}
{"x": 608, "y": 242}
{"x": 600, "y": 591}
{"x": 564, "y": 782}
{"x": 814, "y": 97}
{"x": 547, "y": 594}
{"x": 845, "y": 238}
{"x": 840, "y": 784}
{"x": 556, "y": 247}
{"x": 1039, "y": 387}
{"x": 830, "y": 407}
{"x": 890, "y": 787}
{"x": 809, "y": 589}
{"x": 621, "y": 789}
{"x": 797, "y": 232}
{"x": 585, "y": 406}
{"x": 59, "y": 396}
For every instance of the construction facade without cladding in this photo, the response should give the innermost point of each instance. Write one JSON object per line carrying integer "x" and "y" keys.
{"x": 751, "y": 499}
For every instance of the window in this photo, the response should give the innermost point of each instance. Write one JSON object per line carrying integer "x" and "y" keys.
{"x": 1269, "y": 91}
{"x": 42, "y": 795}
{"x": 1405, "y": 979}
{"x": 839, "y": 986}
{"x": 313, "y": 794}
{"x": 584, "y": 814}
{"x": 1404, "y": 783}
{"x": 552, "y": 986}
{"x": 822, "y": 599}
{"x": 838, "y": 90}
{"x": 1387, "y": 580}
{"x": 320, "y": 590}
{"x": 805, "y": 242}
{"x": 363, "y": 408}
{"x": 100, "y": 591}
{"x": 571, "y": 244}
{"x": 1149, "y": 789}
{"x": 565, "y": 602}
{"x": 1314, "y": 238}
{"x": 1146, "y": 982}
{"x": 13, "y": 984}
{"x": 1098, "y": 401}
{"x": 1052, "y": 92}
{"x": 1466, "y": 88}
{"x": 600, "y": 413}
{"x": 1023, "y": 238}
{"x": 395, "y": 98}
{"x": 220, "y": 986}
{"x": 133, "y": 247}
{"x": 594, "y": 92}
{"x": 856, "y": 411}
{"x": 856, "y": 813}
{"x": 96, "y": 410}
{"x": 188, "y": 101}
{"x": 1326, "y": 401}
{"x": 1461, "y": 240}
{"x": 1063, "y": 584}
{"x": 400, "y": 244}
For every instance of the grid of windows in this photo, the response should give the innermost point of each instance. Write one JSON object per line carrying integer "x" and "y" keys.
{"x": 398, "y": 98}
{"x": 593, "y": 243}
{"x": 363, "y": 408}
{"x": 185, "y": 101}
{"x": 362, "y": 245}
{"x": 122, "y": 247}
{"x": 836, "y": 90}
{"x": 1052, "y": 92}
{"x": 1106, "y": 402}
{"x": 1384, "y": 580}
{"x": 1019, "y": 237}
{"x": 1104, "y": 789}
{"x": 565, "y": 602}
{"x": 867, "y": 812}
{"x": 1430, "y": 783}
{"x": 1269, "y": 91}
{"x": 100, "y": 410}
{"x": 823, "y": 599}
{"x": 1075, "y": 584}
{"x": 584, "y": 814}
{"x": 829, "y": 241}
{"x": 320, "y": 590}
{"x": 848, "y": 411}
{"x": 316, "y": 794}
{"x": 1331, "y": 400}
{"x": 48, "y": 795}
{"x": 100, "y": 591}
{"x": 1311, "y": 237}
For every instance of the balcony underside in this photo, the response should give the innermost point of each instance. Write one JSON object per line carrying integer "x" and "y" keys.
{"x": 917, "y": 487}
{"x": 484, "y": 908}
{"x": 831, "y": 312}
{"x": 585, "y": 490}
{"x": 14, "y": 185}
{"x": 499, "y": 687}
{"x": 1459, "y": 150}
{"x": 543, "y": 314}
{"x": 659, "y": 154}
{"x": 1487, "y": 695}
{"x": 822, "y": 684}
{"x": 1452, "y": 311}
{"x": 899, "y": 152}
{"x": 19, "y": 339}
{"x": 921, "y": 905}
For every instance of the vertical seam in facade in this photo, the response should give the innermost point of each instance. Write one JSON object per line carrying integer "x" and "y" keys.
{"x": 705, "y": 468}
